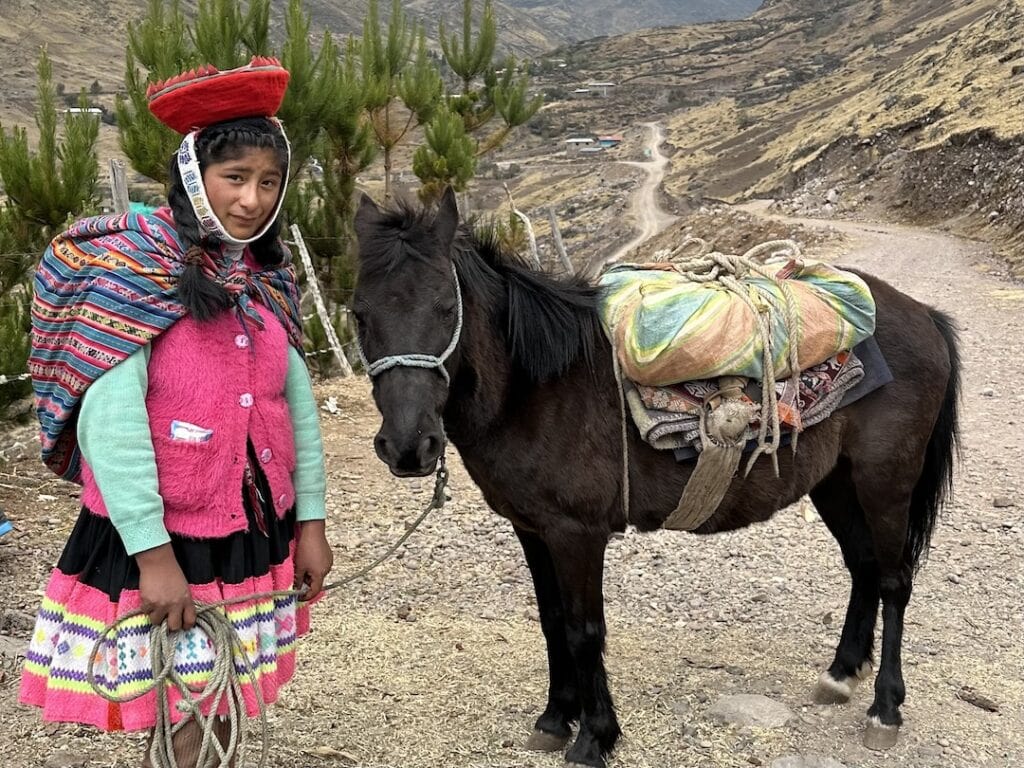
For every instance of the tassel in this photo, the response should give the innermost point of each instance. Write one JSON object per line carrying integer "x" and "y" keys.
{"x": 256, "y": 501}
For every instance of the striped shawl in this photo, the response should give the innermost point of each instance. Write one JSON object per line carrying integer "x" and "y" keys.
{"x": 105, "y": 288}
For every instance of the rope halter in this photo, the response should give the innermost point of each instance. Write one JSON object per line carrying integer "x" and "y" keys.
{"x": 416, "y": 360}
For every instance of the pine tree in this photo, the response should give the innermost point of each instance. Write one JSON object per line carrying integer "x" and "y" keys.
{"x": 402, "y": 90}
{"x": 323, "y": 207}
{"x": 226, "y": 37}
{"x": 469, "y": 58}
{"x": 164, "y": 44}
{"x": 482, "y": 95}
{"x": 50, "y": 186}
{"x": 158, "y": 47}
{"x": 448, "y": 157}
{"x": 308, "y": 98}
{"x": 321, "y": 111}
{"x": 46, "y": 189}
{"x": 508, "y": 94}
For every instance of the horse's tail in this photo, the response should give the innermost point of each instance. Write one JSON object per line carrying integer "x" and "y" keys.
{"x": 936, "y": 482}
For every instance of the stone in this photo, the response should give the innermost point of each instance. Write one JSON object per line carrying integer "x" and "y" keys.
{"x": 62, "y": 758}
{"x": 806, "y": 761}
{"x": 12, "y": 647}
{"x": 17, "y": 623}
{"x": 751, "y": 709}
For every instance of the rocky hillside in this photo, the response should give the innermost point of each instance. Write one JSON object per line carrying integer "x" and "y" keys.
{"x": 910, "y": 109}
{"x": 575, "y": 20}
{"x": 86, "y": 39}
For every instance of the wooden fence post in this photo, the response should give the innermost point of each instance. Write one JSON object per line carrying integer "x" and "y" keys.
{"x": 321, "y": 308}
{"x": 556, "y": 234}
{"x": 529, "y": 228}
{"x": 119, "y": 186}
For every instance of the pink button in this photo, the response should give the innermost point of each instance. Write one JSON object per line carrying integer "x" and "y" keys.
{"x": 245, "y": 400}
{"x": 281, "y": 500}
{"x": 241, "y": 341}
{"x": 266, "y": 455}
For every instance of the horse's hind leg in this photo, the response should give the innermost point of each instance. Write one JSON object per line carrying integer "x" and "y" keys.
{"x": 554, "y": 726}
{"x": 577, "y": 553}
{"x": 837, "y": 504}
{"x": 885, "y": 494}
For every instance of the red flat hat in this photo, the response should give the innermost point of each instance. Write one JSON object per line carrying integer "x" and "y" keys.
{"x": 204, "y": 96}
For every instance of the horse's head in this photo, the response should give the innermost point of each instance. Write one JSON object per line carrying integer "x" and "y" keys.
{"x": 409, "y": 311}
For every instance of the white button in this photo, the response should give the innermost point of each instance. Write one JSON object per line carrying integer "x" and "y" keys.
{"x": 241, "y": 341}
{"x": 266, "y": 455}
{"x": 245, "y": 400}
{"x": 281, "y": 500}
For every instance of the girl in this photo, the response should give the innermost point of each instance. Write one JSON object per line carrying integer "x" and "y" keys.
{"x": 169, "y": 381}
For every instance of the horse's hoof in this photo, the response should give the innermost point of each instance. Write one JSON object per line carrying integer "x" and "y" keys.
{"x": 542, "y": 741}
{"x": 832, "y": 691}
{"x": 879, "y": 736}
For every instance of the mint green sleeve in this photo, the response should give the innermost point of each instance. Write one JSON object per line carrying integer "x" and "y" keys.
{"x": 114, "y": 435}
{"x": 309, "y": 477}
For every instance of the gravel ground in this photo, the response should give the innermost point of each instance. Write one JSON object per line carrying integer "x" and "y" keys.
{"x": 437, "y": 658}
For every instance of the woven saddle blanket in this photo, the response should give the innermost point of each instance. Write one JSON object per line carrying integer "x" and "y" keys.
{"x": 667, "y": 329}
{"x": 668, "y": 418}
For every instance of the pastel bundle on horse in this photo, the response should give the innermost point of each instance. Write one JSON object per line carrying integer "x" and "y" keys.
{"x": 533, "y": 408}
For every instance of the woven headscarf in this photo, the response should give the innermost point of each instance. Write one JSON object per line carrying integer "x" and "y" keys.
{"x": 202, "y": 97}
{"x": 107, "y": 287}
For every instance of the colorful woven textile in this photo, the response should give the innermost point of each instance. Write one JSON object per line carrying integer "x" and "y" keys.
{"x": 667, "y": 329}
{"x": 669, "y": 417}
{"x": 105, "y": 288}
{"x": 96, "y": 585}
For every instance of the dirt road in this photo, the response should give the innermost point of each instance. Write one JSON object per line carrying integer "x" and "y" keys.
{"x": 436, "y": 659}
{"x": 644, "y": 207}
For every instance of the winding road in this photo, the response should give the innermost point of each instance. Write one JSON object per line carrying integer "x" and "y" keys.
{"x": 644, "y": 207}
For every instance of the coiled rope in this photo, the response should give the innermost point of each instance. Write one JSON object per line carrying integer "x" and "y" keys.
{"x": 224, "y": 686}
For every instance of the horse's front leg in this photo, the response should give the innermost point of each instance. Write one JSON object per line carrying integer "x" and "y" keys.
{"x": 554, "y": 726}
{"x": 577, "y": 553}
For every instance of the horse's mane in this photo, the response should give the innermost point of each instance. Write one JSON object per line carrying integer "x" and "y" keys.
{"x": 552, "y": 322}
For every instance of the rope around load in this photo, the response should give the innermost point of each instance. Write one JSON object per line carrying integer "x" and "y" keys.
{"x": 224, "y": 685}
{"x": 706, "y": 266}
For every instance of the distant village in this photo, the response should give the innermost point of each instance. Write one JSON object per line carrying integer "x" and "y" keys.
{"x": 592, "y": 144}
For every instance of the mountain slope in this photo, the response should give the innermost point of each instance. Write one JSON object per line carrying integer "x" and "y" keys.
{"x": 752, "y": 101}
{"x": 586, "y": 20}
{"x": 86, "y": 39}
{"x": 909, "y": 109}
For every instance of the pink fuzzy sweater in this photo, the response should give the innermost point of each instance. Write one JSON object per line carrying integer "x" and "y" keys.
{"x": 212, "y": 386}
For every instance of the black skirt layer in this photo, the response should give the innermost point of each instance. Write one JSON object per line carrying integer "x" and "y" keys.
{"x": 96, "y": 555}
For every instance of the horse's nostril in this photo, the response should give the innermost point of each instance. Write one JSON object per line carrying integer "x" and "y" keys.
{"x": 430, "y": 448}
{"x": 380, "y": 444}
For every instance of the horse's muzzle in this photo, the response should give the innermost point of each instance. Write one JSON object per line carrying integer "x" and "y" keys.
{"x": 416, "y": 457}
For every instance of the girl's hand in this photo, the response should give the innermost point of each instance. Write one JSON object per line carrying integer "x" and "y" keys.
{"x": 163, "y": 591}
{"x": 313, "y": 558}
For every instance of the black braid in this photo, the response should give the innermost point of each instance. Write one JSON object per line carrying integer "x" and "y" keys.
{"x": 201, "y": 296}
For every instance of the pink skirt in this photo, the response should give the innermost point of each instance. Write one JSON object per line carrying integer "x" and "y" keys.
{"x": 96, "y": 582}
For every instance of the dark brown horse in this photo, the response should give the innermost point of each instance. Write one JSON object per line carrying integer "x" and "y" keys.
{"x": 513, "y": 367}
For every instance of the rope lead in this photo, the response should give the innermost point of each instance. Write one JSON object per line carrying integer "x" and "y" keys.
{"x": 231, "y": 665}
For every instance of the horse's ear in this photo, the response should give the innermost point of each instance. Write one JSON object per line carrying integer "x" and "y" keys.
{"x": 366, "y": 213}
{"x": 447, "y": 219}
